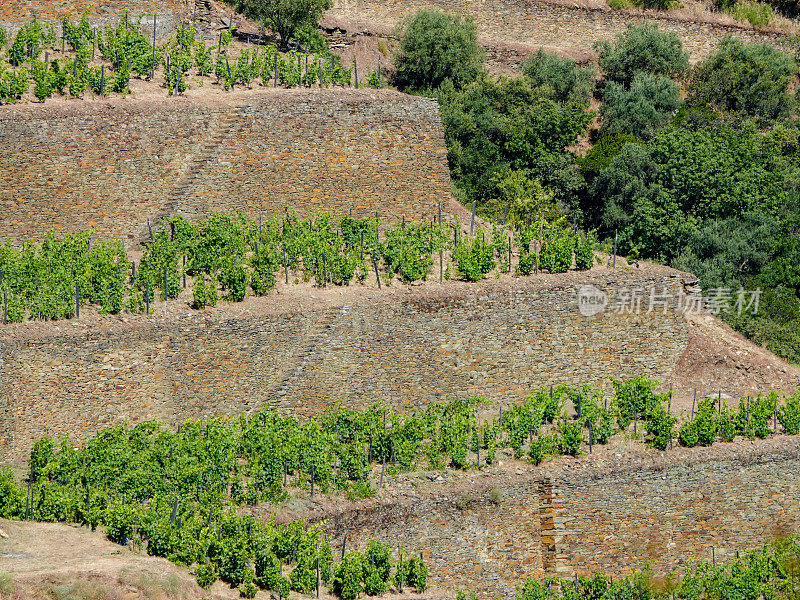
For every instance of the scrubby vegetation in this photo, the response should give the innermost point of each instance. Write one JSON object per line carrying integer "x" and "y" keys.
{"x": 704, "y": 180}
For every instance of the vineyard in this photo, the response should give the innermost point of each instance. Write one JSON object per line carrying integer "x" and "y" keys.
{"x": 230, "y": 256}
{"x": 102, "y": 62}
{"x": 184, "y": 493}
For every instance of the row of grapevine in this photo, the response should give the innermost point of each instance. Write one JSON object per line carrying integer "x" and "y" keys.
{"x": 231, "y": 256}
{"x": 177, "y": 491}
{"x": 103, "y": 61}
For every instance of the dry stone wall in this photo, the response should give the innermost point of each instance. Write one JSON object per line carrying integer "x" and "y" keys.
{"x": 100, "y": 165}
{"x": 111, "y": 165}
{"x": 15, "y": 13}
{"x": 338, "y": 151}
{"x": 406, "y": 351}
{"x": 583, "y": 519}
{"x": 535, "y": 23}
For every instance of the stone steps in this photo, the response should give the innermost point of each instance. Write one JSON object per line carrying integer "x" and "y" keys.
{"x": 229, "y": 125}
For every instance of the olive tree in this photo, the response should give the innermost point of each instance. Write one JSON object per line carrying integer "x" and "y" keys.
{"x": 284, "y": 17}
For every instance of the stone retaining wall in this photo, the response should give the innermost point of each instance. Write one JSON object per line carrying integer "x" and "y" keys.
{"x": 406, "y": 351}
{"x": 110, "y": 165}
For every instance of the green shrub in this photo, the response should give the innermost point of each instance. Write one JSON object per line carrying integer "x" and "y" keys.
{"x": 603, "y": 427}
{"x": 640, "y": 108}
{"x": 13, "y": 84}
{"x": 267, "y": 567}
{"x": 688, "y": 435}
{"x": 373, "y": 584}
{"x": 789, "y": 414}
{"x": 758, "y": 14}
{"x": 474, "y": 258}
{"x": 204, "y": 293}
{"x": 751, "y": 78}
{"x": 417, "y": 573}
{"x": 569, "y": 82}
{"x": 282, "y": 587}
{"x": 12, "y": 497}
{"x": 206, "y": 574}
{"x": 570, "y": 438}
{"x": 379, "y": 557}
{"x": 232, "y": 561}
{"x": 41, "y": 455}
{"x": 234, "y": 279}
{"x": 636, "y": 398}
{"x": 411, "y": 572}
{"x": 247, "y": 589}
{"x": 42, "y": 81}
{"x": 762, "y": 409}
{"x": 706, "y": 421}
{"x": 262, "y": 280}
{"x": 584, "y": 251}
{"x": 537, "y": 450}
{"x": 303, "y": 577}
{"x": 527, "y": 263}
{"x": 556, "y": 253}
{"x": 436, "y": 47}
{"x": 348, "y": 576}
{"x": 119, "y": 521}
{"x": 659, "y": 429}
{"x": 602, "y": 153}
{"x": 642, "y": 48}
{"x": 726, "y": 424}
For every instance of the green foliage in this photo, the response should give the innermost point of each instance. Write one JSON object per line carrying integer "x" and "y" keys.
{"x": 570, "y": 438}
{"x": 525, "y": 199}
{"x": 349, "y": 576}
{"x": 641, "y": 48}
{"x": 408, "y": 249}
{"x": 640, "y": 108}
{"x": 206, "y": 574}
{"x": 436, "y": 48}
{"x": 688, "y": 435}
{"x": 204, "y": 293}
{"x": 584, "y": 251}
{"x": 557, "y": 245}
{"x": 706, "y": 422}
{"x": 285, "y": 17}
{"x": 758, "y": 14}
{"x": 659, "y": 429}
{"x": 119, "y": 520}
{"x": 28, "y": 44}
{"x": 247, "y": 589}
{"x": 635, "y": 398}
{"x": 496, "y": 127}
{"x": 12, "y": 498}
{"x": 751, "y": 78}
{"x": 603, "y": 152}
{"x": 13, "y": 84}
{"x": 660, "y": 195}
{"x": 80, "y": 35}
{"x": 474, "y": 257}
{"x": 411, "y": 572}
{"x": 789, "y": 414}
{"x": 569, "y": 82}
